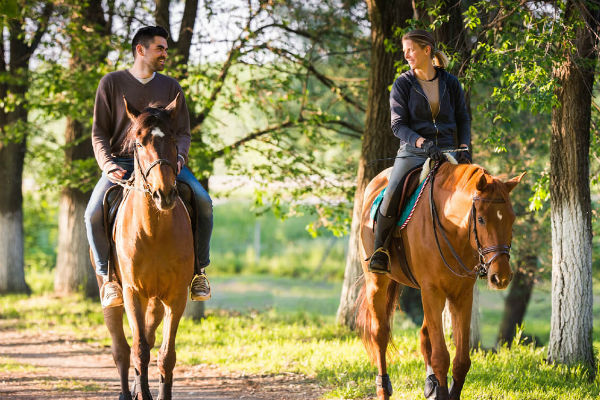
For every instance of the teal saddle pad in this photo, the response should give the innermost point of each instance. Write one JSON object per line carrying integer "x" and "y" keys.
{"x": 405, "y": 210}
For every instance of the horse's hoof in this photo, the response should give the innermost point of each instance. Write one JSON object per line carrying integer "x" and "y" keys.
{"x": 125, "y": 396}
{"x": 456, "y": 389}
{"x": 165, "y": 390}
{"x": 384, "y": 386}
{"x": 433, "y": 389}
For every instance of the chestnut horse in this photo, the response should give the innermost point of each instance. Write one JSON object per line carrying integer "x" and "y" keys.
{"x": 467, "y": 233}
{"x": 154, "y": 253}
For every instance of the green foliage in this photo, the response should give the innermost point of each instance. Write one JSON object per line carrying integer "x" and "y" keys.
{"x": 39, "y": 223}
{"x": 285, "y": 247}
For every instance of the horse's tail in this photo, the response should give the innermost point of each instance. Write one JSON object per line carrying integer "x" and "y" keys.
{"x": 364, "y": 317}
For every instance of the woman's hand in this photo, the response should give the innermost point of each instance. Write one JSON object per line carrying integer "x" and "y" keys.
{"x": 432, "y": 150}
{"x": 464, "y": 157}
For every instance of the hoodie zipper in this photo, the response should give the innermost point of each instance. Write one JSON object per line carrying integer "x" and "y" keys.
{"x": 437, "y": 131}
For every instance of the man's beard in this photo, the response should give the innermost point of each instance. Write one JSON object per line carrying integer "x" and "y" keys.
{"x": 157, "y": 65}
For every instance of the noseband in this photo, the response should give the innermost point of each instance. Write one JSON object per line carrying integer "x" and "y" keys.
{"x": 481, "y": 269}
{"x": 161, "y": 161}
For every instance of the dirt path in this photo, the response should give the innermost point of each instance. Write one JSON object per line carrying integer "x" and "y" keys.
{"x": 51, "y": 367}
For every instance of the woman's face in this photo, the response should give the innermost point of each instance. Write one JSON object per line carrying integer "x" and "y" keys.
{"x": 417, "y": 57}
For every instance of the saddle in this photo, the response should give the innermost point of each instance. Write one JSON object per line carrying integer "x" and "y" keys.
{"x": 408, "y": 186}
{"x": 114, "y": 197}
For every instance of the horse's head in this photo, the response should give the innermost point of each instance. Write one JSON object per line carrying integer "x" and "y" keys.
{"x": 154, "y": 146}
{"x": 492, "y": 218}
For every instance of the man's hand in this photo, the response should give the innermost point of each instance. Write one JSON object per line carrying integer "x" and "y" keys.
{"x": 116, "y": 174}
{"x": 432, "y": 150}
{"x": 180, "y": 163}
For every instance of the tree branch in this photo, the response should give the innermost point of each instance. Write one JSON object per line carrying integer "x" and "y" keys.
{"x": 186, "y": 31}
{"x": 330, "y": 83}
{"x": 42, "y": 27}
{"x": 233, "y": 54}
{"x": 252, "y": 136}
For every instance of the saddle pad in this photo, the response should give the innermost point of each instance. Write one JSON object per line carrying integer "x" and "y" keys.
{"x": 407, "y": 207}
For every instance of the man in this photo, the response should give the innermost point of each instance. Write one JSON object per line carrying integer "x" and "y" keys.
{"x": 142, "y": 85}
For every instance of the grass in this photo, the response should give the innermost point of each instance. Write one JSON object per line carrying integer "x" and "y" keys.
{"x": 72, "y": 385}
{"x": 8, "y": 365}
{"x": 267, "y": 325}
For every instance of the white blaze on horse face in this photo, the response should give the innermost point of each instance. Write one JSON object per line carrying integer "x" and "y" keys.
{"x": 157, "y": 132}
{"x": 499, "y": 214}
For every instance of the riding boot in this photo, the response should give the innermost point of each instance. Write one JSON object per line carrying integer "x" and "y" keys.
{"x": 380, "y": 260}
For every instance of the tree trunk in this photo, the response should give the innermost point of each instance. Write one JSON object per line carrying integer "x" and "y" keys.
{"x": 12, "y": 156}
{"x": 378, "y": 140}
{"x": 12, "y": 272}
{"x": 571, "y": 322}
{"x": 519, "y": 294}
{"x": 74, "y": 271}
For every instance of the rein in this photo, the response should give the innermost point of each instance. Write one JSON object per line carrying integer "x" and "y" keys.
{"x": 481, "y": 269}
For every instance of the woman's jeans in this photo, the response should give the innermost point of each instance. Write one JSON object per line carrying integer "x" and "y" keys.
{"x": 408, "y": 157}
{"x": 94, "y": 218}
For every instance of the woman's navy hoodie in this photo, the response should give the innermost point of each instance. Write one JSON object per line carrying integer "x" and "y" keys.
{"x": 412, "y": 117}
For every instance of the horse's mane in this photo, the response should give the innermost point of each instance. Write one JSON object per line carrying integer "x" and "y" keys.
{"x": 462, "y": 177}
{"x": 150, "y": 117}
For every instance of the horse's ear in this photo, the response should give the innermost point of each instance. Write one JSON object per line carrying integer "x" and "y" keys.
{"x": 482, "y": 183}
{"x": 132, "y": 113}
{"x": 173, "y": 106}
{"x": 510, "y": 185}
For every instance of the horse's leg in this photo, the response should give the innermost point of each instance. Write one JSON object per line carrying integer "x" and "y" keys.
{"x": 433, "y": 345}
{"x": 166, "y": 354}
{"x": 460, "y": 310}
{"x": 154, "y": 316}
{"x": 377, "y": 301}
{"x": 136, "y": 311}
{"x": 113, "y": 319}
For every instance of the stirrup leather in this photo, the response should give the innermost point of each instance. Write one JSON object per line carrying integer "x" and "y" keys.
{"x": 387, "y": 266}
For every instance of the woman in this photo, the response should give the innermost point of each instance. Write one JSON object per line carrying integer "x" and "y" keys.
{"x": 429, "y": 115}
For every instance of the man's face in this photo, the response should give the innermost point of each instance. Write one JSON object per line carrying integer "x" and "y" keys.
{"x": 156, "y": 54}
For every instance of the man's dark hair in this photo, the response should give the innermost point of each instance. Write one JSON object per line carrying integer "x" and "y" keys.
{"x": 145, "y": 35}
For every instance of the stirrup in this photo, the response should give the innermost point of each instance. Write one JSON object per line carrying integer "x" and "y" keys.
{"x": 379, "y": 270}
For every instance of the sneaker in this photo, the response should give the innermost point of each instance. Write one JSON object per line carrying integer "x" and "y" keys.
{"x": 111, "y": 295}
{"x": 200, "y": 288}
{"x": 380, "y": 261}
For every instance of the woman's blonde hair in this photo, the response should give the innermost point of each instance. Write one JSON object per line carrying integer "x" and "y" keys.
{"x": 423, "y": 39}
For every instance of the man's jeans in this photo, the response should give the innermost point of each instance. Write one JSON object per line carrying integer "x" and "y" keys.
{"x": 94, "y": 217}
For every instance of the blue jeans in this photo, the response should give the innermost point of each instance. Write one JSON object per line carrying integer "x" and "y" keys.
{"x": 94, "y": 218}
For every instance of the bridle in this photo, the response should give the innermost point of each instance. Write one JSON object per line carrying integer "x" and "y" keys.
{"x": 145, "y": 172}
{"x": 481, "y": 269}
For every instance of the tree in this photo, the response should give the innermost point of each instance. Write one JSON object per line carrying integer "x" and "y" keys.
{"x": 378, "y": 141}
{"x": 88, "y": 44}
{"x": 25, "y": 27}
{"x": 571, "y": 324}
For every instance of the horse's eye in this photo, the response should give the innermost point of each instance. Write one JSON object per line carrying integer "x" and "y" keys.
{"x": 138, "y": 144}
{"x": 480, "y": 220}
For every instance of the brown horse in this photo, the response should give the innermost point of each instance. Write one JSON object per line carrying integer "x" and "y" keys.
{"x": 154, "y": 253}
{"x": 466, "y": 233}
